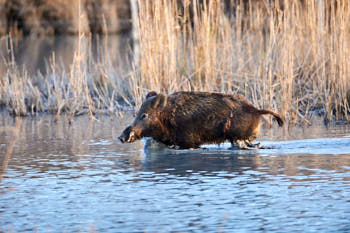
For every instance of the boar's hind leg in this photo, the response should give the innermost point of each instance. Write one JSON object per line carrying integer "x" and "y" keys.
{"x": 244, "y": 144}
{"x": 236, "y": 144}
{"x": 252, "y": 145}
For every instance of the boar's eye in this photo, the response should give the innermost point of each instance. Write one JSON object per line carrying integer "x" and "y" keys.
{"x": 144, "y": 115}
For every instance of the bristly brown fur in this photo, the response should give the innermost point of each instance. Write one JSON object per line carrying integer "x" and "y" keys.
{"x": 190, "y": 119}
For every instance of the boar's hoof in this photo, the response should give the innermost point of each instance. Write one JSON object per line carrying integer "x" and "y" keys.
{"x": 174, "y": 147}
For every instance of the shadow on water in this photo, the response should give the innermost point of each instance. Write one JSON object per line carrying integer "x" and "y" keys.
{"x": 284, "y": 157}
{"x": 205, "y": 161}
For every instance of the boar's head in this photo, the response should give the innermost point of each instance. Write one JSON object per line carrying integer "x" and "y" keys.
{"x": 147, "y": 122}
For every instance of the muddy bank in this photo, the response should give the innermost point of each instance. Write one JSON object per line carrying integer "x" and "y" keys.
{"x": 62, "y": 17}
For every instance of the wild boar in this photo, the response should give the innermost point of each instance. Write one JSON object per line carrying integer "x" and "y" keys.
{"x": 190, "y": 119}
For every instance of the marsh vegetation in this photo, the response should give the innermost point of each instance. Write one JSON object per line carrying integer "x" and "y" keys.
{"x": 290, "y": 57}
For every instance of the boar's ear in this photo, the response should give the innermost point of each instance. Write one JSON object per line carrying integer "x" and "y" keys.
{"x": 160, "y": 101}
{"x": 150, "y": 94}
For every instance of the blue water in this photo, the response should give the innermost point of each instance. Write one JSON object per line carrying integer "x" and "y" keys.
{"x": 70, "y": 178}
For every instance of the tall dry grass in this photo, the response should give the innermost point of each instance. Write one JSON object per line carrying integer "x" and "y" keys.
{"x": 291, "y": 59}
{"x": 87, "y": 86}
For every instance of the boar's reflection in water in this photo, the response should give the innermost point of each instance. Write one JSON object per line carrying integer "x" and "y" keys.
{"x": 187, "y": 162}
{"x": 189, "y": 119}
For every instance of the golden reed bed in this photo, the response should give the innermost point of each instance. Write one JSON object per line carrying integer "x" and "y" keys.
{"x": 287, "y": 56}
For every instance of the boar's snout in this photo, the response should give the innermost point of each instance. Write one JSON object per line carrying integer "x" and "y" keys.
{"x": 128, "y": 135}
{"x": 122, "y": 139}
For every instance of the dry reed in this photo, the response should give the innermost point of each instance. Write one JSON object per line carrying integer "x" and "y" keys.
{"x": 291, "y": 59}
{"x": 9, "y": 149}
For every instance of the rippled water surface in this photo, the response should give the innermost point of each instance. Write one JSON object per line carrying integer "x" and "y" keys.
{"x": 60, "y": 177}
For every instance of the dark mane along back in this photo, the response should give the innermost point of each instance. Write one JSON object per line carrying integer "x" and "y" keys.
{"x": 198, "y": 105}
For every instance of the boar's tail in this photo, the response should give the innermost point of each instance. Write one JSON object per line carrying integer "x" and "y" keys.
{"x": 277, "y": 116}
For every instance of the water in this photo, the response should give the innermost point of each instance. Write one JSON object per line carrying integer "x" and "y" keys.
{"x": 58, "y": 177}
{"x": 35, "y": 54}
